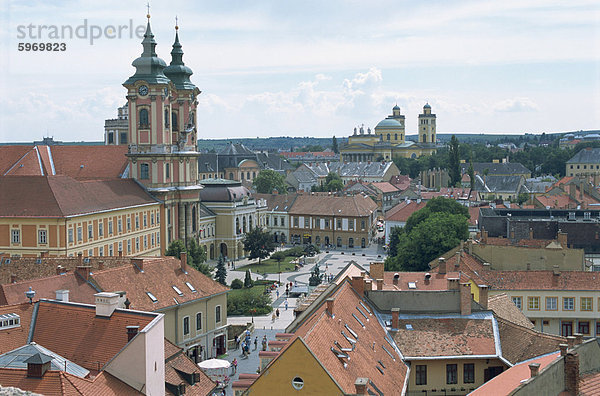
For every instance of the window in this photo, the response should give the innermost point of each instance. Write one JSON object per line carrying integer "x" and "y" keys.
{"x": 274, "y": 221}
{"x": 152, "y": 240}
{"x": 90, "y": 231}
{"x": 101, "y": 251}
{"x": 70, "y": 235}
{"x": 152, "y": 218}
{"x": 518, "y": 301}
{"x": 597, "y": 328}
{"x": 469, "y": 373}
{"x": 167, "y": 170}
{"x": 421, "y": 374}
{"x": 186, "y": 326}
{"x": 42, "y": 237}
{"x": 100, "y": 228}
{"x": 586, "y": 304}
{"x": 144, "y": 118}
{"x": 137, "y": 244}
{"x": 218, "y": 314}
{"x": 533, "y": 303}
{"x": 351, "y": 224}
{"x": 192, "y": 288}
{"x": 120, "y": 246}
{"x": 137, "y": 222}
{"x": 111, "y": 137}
{"x": 306, "y": 222}
{"x": 362, "y": 224}
{"x": 110, "y": 227}
{"x": 296, "y": 222}
{"x": 145, "y": 241}
{"x": 451, "y": 374}
{"x": 326, "y": 223}
{"x": 151, "y": 296}
{"x": 568, "y": 303}
{"x": 144, "y": 171}
{"x": 298, "y": 383}
{"x": 283, "y": 221}
{"x": 199, "y": 321}
{"x": 110, "y": 250}
{"x": 551, "y": 303}
{"x": 15, "y": 236}
{"x": 166, "y": 118}
{"x": 119, "y": 225}
{"x": 79, "y": 234}
{"x": 128, "y": 246}
{"x": 123, "y": 139}
{"x": 388, "y": 136}
{"x": 339, "y": 224}
{"x": 174, "y": 121}
{"x": 583, "y": 327}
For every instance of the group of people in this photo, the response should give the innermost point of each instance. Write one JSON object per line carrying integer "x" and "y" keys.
{"x": 246, "y": 342}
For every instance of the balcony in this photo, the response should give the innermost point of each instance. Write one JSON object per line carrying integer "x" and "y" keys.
{"x": 153, "y": 149}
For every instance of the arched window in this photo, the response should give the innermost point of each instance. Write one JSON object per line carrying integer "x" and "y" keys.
{"x": 174, "y": 121}
{"x": 230, "y": 175}
{"x": 193, "y": 219}
{"x": 339, "y": 242}
{"x": 388, "y": 136}
{"x": 396, "y": 136}
{"x": 111, "y": 137}
{"x": 350, "y": 242}
{"x": 237, "y": 226}
{"x": 166, "y": 118}
{"x": 250, "y": 223}
{"x": 144, "y": 118}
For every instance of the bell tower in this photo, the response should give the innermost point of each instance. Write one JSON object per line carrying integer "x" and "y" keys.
{"x": 162, "y": 135}
{"x": 427, "y": 131}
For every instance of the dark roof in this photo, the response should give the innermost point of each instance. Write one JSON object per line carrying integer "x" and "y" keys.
{"x": 235, "y": 149}
{"x": 221, "y": 190}
{"x": 498, "y": 183}
{"x": 230, "y": 157}
{"x": 586, "y": 156}
{"x": 501, "y": 168}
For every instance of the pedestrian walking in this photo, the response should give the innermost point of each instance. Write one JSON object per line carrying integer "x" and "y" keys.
{"x": 273, "y": 317}
{"x": 286, "y": 305}
{"x": 264, "y": 343}
{"x": 234, "y": 364}
{"x": 277, "y": 293}
{"x": 237, "y": 342}
{"x": 255, "y": 342}
{"x": 277, "y": 313}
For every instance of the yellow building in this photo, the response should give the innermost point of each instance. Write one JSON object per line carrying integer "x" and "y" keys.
{"x": 584, "y": 163}
{"x": 61, "y": 216}
{"x": 389, "y": 139}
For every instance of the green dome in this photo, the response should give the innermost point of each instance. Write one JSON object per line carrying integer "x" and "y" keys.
{"x": 388, "y": 123}
{"x": 177, "y": 71}
{"x": 149, "y": 67}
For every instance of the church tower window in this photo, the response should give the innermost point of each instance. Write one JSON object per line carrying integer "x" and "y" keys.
{"x": 174, "y": 121}
{"x": 144, "y": 171}
{"x": 144, "y": 118}
{"x": 166, "y": 118}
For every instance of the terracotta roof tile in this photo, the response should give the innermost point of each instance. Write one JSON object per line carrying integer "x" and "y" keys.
{"x": 403, "y": 210}
{"x": 10, "y": 155}
{"x": 319, "y": 331}
{"x": 16, "y": 337}
{"x": 436, "y": 281}
{"x": 445, "y": 337}
{"x": 60, "y": 196}
{"x": 324, "y": 205}
{"x": 99, "y": 162}
{"x": 510, "y": 379}
{"x": 53, "y": 382}
{"x": 385, "y": 187}
{"x": 277, "y": 202}
{"x": 87, "y": 340}
{"x": 504, "y": 308}
{"x": 181, "y": 363}
{"x": 541, "y": 280}
{"x": 159, "y": 277}
{"x": 521, "y": 343}
{"x": 103, "y": 384}
{"x": 589, "y": 384}
{"x": 79, "y": 289}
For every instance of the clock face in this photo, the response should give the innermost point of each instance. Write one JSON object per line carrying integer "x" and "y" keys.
{"x": 143, "y": 90}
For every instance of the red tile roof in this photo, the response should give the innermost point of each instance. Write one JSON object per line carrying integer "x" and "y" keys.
{"x": 319, "y": 331}
{"x": 436, "y": 281}
{"x": 76, "y": 333}
{"x": 385, "y": 187}
{"x": 179, "y": 367}
{"x": 445, "y": 337}
{"x": 325, "y": 205}
{"x": 60, "y": 196}
{"x": 402, "y": 182}
{"x": 510, "y": 379}
{"x": 10, "y": 156}
{"x": 403, "y": 210}
{"x": 159, "y": 277}
{"x": 541, "y": 280}
{"x": 504, "y": 308}
{"x": 521, "y": 343}
{"x": 79, "y": 289}
{"x": 16, "y": 337}
{"x": 589, "y": 384}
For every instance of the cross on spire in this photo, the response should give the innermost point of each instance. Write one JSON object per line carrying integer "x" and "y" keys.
{"x": 176, "y": 23}
{"x": 148, "y": 8}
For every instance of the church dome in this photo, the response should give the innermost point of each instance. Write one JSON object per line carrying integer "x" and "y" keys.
{"x": 427, "y": 106}
{"x": 396, "y": 107}
{"x": 177, "y": 71}
{"x": 149, "y": 67}
{"x": 388, "y": 123}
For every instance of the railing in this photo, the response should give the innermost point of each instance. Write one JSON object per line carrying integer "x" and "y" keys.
{"x": 153, "y": 149}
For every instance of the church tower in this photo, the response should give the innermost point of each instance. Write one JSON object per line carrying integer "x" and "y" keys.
{"x": 427, "y": 125}
{"x": 162, "y": 136}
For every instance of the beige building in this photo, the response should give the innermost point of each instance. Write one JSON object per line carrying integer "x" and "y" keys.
{"x": 277, "y": 219}
{"x": 322, "y": 219}
{"x": 60, "y": 216}
{"x": 584, "y": 163}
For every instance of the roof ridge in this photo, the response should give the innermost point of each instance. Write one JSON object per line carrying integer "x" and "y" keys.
{"x": 532, "y": 331}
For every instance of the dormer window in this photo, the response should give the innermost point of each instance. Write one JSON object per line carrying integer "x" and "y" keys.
{"x": 177, "y": 290}
{"x": 152, "y": 297}
{"x": 9, "y": 321}
{"x": 189, "y": 285}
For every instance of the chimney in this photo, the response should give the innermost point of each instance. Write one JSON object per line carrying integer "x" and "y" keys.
{"x": 376, "y": 270}
{"x": 484, "y": 236}
{"x": 563, "y": 349}
{"x": 13, "y": 278}
{"x": 100, "y": 265}
{"x": 379, "y": 284}
{"x": 442, "y": 266}
{"x": 62, "y": 295}
{"x": 38, "y": 364}
{"x": 183, "y": 259}
{"x": 138, "y": 263}
{"x": 330, "y": 302}
{"x": 396, "y": 278}
{"x": 132, "y": 332}
{"x": 360, "y": 386}
{"x": 556, "y": 269}
{"x": 465, "y": 299}
{"x": 571, "y": 341}
{"x": 534, "y": 368}
{"x": 368, "y": 285}
{"x": 106, "y": 303}
{"x": 358, "y": 285}
{"x": 470, "y": 246}
{"x": 483, "y": 296}
{"x": 452, "y": 283}
{"x": 395, "y": 318}
{"x": 572, "y": 373}
{"x": 83, "y": 271}
{"x": 572, "y": 191}
{"x": 578, "y": 338}
{"x": 59, "y": 269}
{"x": 562, "y": 239}
{"x": 80, "y": 258}
{"x": 457, "y": 262}
{"x": 531, "y": 233}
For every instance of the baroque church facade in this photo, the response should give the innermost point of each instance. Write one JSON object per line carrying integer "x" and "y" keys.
{"x": 389, "y": 139}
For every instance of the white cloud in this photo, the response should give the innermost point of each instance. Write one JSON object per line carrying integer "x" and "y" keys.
{"x": 516, "y": 105}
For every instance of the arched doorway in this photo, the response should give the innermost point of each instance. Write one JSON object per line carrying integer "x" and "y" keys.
{"x": 350, "y": 242}
{"x": 339, "y": 241}
{"x": 224, "y": 249}
{"x": 326, "y": 241}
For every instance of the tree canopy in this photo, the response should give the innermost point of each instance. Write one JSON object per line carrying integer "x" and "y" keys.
{"x": 334, "y": 145}
{"x": 221, "y": 272}
{"x": 333, "y": 183}
{"x": 268, "y": 180}
{"x": 454, "y": 162}
{"x": 429, "y": 232}
{"x": 196, "y": 254}
{"x": 259, "y": 243}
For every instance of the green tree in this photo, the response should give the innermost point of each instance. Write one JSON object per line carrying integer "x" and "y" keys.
{"x": 333, "y": 182}
{"x": 268, "y": 180}
{"x": 248, "y": 282}
{"x": 454, "y": 162}
{"x": 196, "y": 254}
{"x": 259, "y": 243}
{"x": 334, "y": 145}
{"x": 471, "y": 172}
{"x": 522, "y": 198}
{"x": 435, "y": 205}
{"x": 175, "y": 248}
{"x": 395, "y": 234}
{"x": 221, "y": 272}
{"x": 237, "y": 284}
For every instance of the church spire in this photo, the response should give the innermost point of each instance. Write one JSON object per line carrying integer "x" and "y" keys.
{"x": 177, "y": 71}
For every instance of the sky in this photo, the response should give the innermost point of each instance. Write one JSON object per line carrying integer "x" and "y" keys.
{"x": 310, "y": 68}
